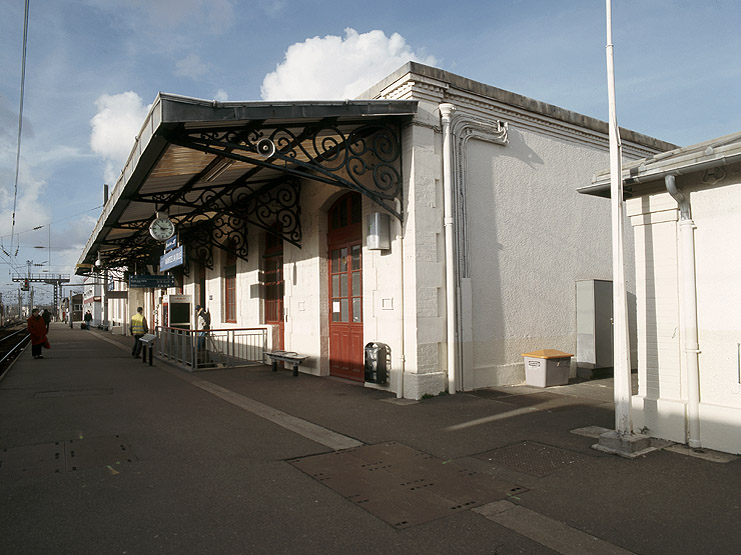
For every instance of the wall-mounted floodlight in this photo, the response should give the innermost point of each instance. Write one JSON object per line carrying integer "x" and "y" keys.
{"x": 265, "y": 147}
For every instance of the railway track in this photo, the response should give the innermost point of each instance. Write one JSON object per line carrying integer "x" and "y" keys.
{"x": 13, "y": 338}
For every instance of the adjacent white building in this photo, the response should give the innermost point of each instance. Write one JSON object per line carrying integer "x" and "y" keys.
{"x": 685, "y": 214}
{"x": 92, "y": 299}
{"x": 435, "y": 215}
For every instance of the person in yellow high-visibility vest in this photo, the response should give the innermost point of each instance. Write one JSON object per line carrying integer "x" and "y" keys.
{"x": 138, "y": 329}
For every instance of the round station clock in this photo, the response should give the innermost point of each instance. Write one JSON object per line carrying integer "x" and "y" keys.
{"x": 162, "y": 228}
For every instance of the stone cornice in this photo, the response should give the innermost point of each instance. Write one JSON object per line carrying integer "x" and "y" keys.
{"x": 429, "y": 84}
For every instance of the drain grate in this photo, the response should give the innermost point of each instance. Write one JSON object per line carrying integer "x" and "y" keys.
{"x": 400, "y": 485}
{"x": 64, "y": 456}
{"x": 533, "y": 458}
{"x": 72, "y": 393}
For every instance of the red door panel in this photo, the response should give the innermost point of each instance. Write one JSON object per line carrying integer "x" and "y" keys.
{"x": 346, "y": 289}
{"x": 274, "y": 299}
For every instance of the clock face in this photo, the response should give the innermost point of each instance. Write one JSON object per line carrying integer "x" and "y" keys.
{"x": 162, "y": 229}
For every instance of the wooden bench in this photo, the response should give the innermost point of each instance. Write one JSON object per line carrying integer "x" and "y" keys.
{"x": 286, "y": 356}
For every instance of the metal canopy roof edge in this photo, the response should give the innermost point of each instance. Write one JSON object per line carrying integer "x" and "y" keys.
{"x": 169, "y": 111}
{"x": 178, "y": 109}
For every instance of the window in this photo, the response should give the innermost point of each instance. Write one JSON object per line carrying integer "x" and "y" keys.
{"x": 347, "y": 211}
{"x": 230, "y": 289}
{"x": 201, "y": 281}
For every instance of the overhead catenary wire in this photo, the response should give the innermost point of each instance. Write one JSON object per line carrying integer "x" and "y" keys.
{"x": 38, "y": 227}
{"x": 7, "y": 258}
{"x": 20, "y": 120}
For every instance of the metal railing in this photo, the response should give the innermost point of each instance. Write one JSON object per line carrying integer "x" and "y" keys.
{"x": 210, "y": 349}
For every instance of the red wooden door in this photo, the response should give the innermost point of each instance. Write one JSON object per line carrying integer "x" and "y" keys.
{"x": 273, "y": 281}
{"x": 274, "y": 298}
{"x": 346, "y": 289}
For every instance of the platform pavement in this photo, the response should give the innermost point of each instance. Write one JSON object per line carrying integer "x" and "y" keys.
{"x": 209, "y": 470}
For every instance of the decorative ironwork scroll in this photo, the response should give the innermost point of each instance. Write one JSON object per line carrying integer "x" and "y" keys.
{"x": 225, "y": 207}
{"x": 230, "y": 235}
{"x": 364, "y": 157}
{"x": 197, "y": 238}
{"x": 276, "y": 204}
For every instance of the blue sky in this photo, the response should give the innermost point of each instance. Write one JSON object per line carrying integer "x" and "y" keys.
{"x": 94, "y": 66}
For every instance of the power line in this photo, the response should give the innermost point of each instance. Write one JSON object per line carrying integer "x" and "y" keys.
{"x": 20, "y": 120}
{"x": 36, "y": 228}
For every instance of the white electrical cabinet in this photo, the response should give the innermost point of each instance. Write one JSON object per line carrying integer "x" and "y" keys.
{"x": 594, "y": 338}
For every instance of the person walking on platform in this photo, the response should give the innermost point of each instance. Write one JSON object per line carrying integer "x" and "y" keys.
{"x": 46, "y": 315}
{"x": 138, "y": 329}
{"x": 204, "y": 324}
{"x": 88, "y": 319}
{"x": 37, "y": 330}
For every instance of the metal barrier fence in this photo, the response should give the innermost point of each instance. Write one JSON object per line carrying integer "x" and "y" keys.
{"x": 202, "y": 350}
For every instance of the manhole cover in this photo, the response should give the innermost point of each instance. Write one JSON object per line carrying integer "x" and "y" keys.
{"x": 31, "y": 460}
{"x": 400, "y": 485}
{"x": 532, "y": 458}
{"x": 64, "y": 456}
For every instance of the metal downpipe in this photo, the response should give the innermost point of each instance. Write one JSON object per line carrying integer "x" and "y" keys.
{"x": 446, "y": 111}
{"x": 688, "y": 300}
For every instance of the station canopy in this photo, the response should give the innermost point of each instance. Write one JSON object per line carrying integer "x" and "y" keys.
{"x": 218, "y": 169}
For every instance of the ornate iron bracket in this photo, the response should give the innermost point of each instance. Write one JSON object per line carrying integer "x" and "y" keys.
{"x": 277, "y": 201}
{"x": 362, "y": 157}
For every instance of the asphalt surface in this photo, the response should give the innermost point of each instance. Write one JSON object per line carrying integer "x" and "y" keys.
{"x": 103, "y": 454}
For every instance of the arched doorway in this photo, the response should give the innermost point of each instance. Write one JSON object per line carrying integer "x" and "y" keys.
{"x": 344, "y": 241}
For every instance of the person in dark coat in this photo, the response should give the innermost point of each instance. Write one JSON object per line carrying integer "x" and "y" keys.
{"x": 46, "y": 315}
{"x": 88, "y": 319}
{"x": 37, "y": 330}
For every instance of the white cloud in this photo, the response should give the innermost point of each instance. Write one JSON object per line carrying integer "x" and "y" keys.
{"x": 334, "y": 67}
{"x": 29, "y": 210}
{"x": 114, "y": 129}
{"x": 221, "y": 95}
{"x": 191, "y": 66}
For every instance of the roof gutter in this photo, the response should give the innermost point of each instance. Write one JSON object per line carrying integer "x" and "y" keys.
{"x": 601, "y": 185}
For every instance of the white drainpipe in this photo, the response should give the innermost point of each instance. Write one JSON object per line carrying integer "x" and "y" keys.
{"x": 688, "y": 288}
{"x": 446, "y": 111}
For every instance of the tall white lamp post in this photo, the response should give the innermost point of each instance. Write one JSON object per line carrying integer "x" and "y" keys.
{"x": 621, "y": 441}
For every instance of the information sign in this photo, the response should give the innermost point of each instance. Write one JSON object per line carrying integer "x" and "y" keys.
{"x": 151, "y": 282}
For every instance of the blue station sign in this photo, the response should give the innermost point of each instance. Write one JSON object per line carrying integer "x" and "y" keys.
{"x": 171, "y": 243}
{"x": 172, "y": 259}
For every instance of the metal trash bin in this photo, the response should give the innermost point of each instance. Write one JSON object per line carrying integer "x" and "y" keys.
{"x": 376, "y": 362}
{"x": 547, "y": 367}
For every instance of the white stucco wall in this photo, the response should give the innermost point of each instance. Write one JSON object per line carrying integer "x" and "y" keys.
{"x": 424, "y": 270}
{"x": 661, "y": 403}
{"x": 527, "y": 234}
{"x": 305, "y": 274}
{"x": 531, "y": 237}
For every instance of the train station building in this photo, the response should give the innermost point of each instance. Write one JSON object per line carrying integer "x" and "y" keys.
{"x": 434, "y": 216}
